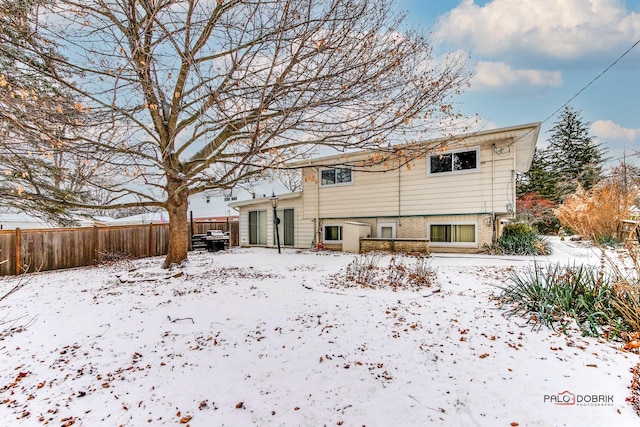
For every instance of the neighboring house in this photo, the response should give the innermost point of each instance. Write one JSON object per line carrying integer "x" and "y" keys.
{"x": 11, "y": 221}
{"x": 230, "y": 218}
{"x": 456, "y": 196}
{"x": 97, "y": 221}
{"x": 145, "y": 218}
{"x": 212, "y": 204}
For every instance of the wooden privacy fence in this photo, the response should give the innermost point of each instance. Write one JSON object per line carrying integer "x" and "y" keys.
{"x": 26, "y": 251}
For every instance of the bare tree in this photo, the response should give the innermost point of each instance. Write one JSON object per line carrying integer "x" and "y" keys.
{"x": 207, "y": 94}
{"x": 291, "y": 179}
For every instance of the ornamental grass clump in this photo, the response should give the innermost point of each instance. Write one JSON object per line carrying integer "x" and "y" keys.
{"x": 596, "y": 214}
{"x": 626, "y": 299}
{"x": 601, "y": 300}
{"x": 558, "y": 295}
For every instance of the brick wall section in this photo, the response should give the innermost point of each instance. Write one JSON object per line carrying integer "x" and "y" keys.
{"x": 411, "y": 228}
{"x": 395, "y": 245}
{"x": 416, "y": 228}
{"x": 485, "y": 230}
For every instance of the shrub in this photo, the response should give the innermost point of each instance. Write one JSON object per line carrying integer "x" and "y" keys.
{"x": 10, "y": 326}
{"x": 537, "y": 211}
{"x": 522, "y": 239}
{"x": 363, "y": 268}
{"x": 365, "y": 271}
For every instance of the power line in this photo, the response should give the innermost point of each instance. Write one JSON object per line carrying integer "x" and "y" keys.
{"x": 636, "y": 154}
{"x": 603, "y": 72}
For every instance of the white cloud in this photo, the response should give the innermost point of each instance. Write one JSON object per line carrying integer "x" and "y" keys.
{"x": 568, "y": 29}
{"x": 495, "y": 75}
{"x": 606, "y": 129}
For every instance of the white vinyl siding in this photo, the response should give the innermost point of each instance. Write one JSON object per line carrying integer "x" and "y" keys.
{"x": 413, "y": 192}
{"x": 303, "y": 229}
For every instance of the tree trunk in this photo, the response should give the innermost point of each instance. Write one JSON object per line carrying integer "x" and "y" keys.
{"x": 179, "y": 236}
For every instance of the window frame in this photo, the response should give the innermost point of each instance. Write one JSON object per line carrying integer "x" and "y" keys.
{"x": 453, "y": 153}
{"x": 259, "y": 227}
{"x": 382, "y": 225}
{"x": 324, "y": 233}
{"x": 286, "y": 227}
{"x": 334, "y": 184}
{"x": 473, "y": 244}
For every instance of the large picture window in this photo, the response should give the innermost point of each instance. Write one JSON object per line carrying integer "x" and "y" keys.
{"x": 455, "y": 161}
{"x": 452, "y": 233}
{"x": 335, "y": 176}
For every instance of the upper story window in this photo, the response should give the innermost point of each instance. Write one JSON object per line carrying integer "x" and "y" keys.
{"x": 454, "y": 161}
{"x": 336, "y": 176}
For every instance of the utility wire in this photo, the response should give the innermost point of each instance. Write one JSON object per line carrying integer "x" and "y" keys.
{"x": 603, "y": 72}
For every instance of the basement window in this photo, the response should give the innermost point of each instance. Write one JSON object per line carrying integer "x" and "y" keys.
{"x": 332, "y": 233}
{"x": 453, "y": 234}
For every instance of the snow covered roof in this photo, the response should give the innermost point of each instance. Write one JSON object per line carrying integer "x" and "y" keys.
{"x": 145, "y": 218}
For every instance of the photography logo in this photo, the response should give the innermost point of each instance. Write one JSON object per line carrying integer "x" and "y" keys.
{"x": 566, "y": 398}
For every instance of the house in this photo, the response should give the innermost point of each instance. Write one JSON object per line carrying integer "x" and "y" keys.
{"x": 13, "y": 220}
{"x": 144, "y": 218}
{"x": 455, "y": 196}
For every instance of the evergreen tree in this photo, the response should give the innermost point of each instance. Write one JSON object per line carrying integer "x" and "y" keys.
{"x": 44, "y": 163}
{"x": 572, "y": 156}
{"x": 571, "y": 159}
{"x": 539, "y": 180}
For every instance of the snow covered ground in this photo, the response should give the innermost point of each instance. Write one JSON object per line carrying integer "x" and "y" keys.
{"x": 251, "y": 337}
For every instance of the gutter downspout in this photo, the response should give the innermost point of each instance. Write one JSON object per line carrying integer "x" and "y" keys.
{"x": 513, "y": 186}
{"x": 493, "y": 190}
{"x": 399, "y": 195}
{"x": 317, "y": 224}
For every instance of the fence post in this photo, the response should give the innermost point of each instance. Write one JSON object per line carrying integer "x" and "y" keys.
{"x": 151, "y": 251}
{"x": 94, "y": 245}
{"x": 18, "y": 244}
{"x": 191, "y": 231}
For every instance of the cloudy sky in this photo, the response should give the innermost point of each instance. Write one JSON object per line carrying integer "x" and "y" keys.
{"x": 530, "y": 57}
